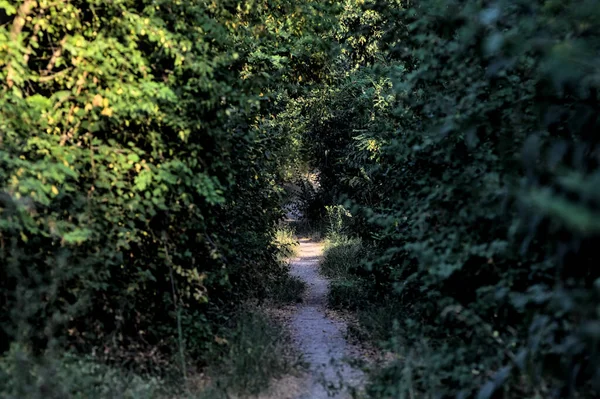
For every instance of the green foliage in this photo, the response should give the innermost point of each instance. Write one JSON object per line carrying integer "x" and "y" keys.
{"x": 337, "y": 218}
{"x": 461, "y": 136}
{"x": 255, "y": 351}
{"x": 345, "y": 294}
{"x": 139, "y": 178}
{"x": 143, "y": 145}
{"x": 351, "y": 288}
{"x": 414, "y": 373}
{"x": 22, "y": 375}
{"x": 286, "y": 242}
{"x": 286, "y": 289}
{"x": 342, "y": 256}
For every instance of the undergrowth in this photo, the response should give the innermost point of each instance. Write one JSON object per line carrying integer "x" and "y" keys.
{"x": 25, "y": 375}
{"x": 252, "y": 354}
{"x": 342, "y": 256}
{"x": 379, "y": 320}
{"x": 413, "y": 373}
{"x": 350, "y": 289}
{"x": 286, "y": 242}
{"x": 286, "y": 288}
{"x": 314, "y": 230}
{"x": 253, "y": 349}
{"x": 249, "y": 352}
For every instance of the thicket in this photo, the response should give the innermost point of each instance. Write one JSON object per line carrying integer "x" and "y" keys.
{"x": 143, "y": 145}
{"x": 462, "y": 136}
{"x": 139, "y": 181}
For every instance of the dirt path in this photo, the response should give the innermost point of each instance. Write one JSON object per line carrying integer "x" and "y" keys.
{"x": 320, "y": 338}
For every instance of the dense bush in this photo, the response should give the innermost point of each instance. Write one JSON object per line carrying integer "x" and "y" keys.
{"x": 462, "y": 135}
{"x": 143, "y": 145}
{"x": 139, "y": 187}
{"x": 22, "y": 375}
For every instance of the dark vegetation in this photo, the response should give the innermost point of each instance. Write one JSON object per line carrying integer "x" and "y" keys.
{"x": 140, "y": 179}
{"x": 462, "y": 137}
{"x": 144, "y": 147}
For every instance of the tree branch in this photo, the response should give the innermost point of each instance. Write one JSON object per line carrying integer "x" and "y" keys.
{"x": 16, "y": 29}
{"x": 20, "y": 19}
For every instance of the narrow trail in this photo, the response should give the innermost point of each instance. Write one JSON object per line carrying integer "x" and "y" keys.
{"x": 320, "y": 338}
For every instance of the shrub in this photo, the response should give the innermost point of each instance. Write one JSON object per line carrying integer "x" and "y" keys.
{"x": 287, "y": 289}
{"x": 139, "y": 179}
{"x": 461, "y": 136}
{"x": 254, "y": 352}
{"x": 286, "y": 242}
{"x": 342, "y": 255}
{"x": 23, "y": 375}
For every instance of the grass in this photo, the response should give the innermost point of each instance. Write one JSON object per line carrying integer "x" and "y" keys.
{"x": 23, "y": 375}
{"x": 375, "y": 318}
{"x": 380, "y": 319}
{"x": 309, "y": 229}
{"x": 286, "y": 288}
{"x": 341, "y": 259}
{"x": 349, "y": 290}
{"x": 342, "y": 256}
{"x": 256, "y": 351}
{"x": 352, "y": 290}
{"x": 414, "y": 373}
{"x": 348, "y": 294}
{"x": 286, "y": 242}
{"x": 248, "y": 354}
